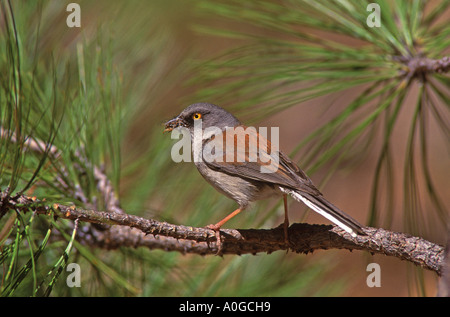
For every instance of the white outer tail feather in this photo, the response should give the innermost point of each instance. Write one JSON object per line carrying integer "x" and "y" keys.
{"x": 320, "y": 211}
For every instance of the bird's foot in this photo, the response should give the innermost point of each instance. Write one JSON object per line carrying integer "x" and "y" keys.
{"x": 218, "y": 237}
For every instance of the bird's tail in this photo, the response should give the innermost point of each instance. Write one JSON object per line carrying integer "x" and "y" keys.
{"x": 322, "y": 206}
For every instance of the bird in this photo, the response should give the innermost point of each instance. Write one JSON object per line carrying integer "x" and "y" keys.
{"x": 243, "y": 165}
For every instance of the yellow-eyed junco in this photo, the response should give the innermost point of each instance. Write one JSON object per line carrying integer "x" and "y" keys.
{"x": 246, "y": 167}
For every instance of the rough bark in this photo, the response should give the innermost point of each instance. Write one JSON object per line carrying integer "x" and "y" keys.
{"x": 132, "y": 231}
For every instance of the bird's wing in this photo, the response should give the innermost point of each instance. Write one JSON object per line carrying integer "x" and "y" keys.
{"x": 243, "y": 152}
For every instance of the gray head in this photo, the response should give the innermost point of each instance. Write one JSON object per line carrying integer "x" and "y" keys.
{"x": 211, "y": 116}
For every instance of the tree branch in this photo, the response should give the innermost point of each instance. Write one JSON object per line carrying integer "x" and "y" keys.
{"x": 444, "y": 283}
{"x": 421, "y": 66}
{"x": 133, "y": 231}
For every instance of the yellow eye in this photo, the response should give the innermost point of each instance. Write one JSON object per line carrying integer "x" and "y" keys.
{"x": 197, "y": 116}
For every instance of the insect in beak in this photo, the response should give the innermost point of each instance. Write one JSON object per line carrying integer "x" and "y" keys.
{"x": 173, "y": 123}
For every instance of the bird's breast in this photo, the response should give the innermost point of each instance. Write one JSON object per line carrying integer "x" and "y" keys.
{"x": 242, "y": 190}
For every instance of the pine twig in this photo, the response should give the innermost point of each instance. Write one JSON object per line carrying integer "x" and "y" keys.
{"x": 304, "y": 238}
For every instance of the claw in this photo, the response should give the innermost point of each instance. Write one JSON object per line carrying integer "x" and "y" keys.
{"x": 218, "y": 237}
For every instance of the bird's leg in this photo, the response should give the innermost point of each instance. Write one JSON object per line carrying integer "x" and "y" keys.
{"x": 286, "y": 221}
{"x": 218, "y": 225}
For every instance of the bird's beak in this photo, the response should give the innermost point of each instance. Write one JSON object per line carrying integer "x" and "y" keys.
{"x": 174, "y": 123}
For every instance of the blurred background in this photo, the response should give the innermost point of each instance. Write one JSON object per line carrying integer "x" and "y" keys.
{"x": 371, "y": 132}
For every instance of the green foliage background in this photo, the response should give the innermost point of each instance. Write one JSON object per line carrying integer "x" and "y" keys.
{"x": 104, "y": 90}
